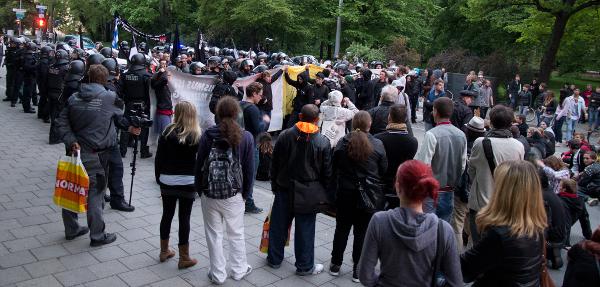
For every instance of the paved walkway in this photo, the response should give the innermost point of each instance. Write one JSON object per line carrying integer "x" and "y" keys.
{"x": 34, "y": 252}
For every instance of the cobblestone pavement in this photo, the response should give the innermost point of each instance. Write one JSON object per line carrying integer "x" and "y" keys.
{"x": 34, "y": 252}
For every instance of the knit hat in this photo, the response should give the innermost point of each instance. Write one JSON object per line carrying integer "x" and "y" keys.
{"x": 335, "y": 97}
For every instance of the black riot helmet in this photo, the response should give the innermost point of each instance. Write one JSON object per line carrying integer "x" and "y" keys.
{"x": 45, "y": 51}
{"x": 112, "y": 66}
{"x": 142, "y": 47}
{"x": 213, "y": 61}
{"x": 62, "y": 57}
{"x": 76, "y": 71}
{"x": 124, "y": 44}
{"x": 79, "y": 54}
{"x": 260, "y": 69}
{"x": 72, "y": 43}
{"x": 194, "y": 66}
{"x": 95, "y": 59}
{"x": 138, "y": 62}
{"x": 31, "y": 46}
{"x": 106, "y": 52}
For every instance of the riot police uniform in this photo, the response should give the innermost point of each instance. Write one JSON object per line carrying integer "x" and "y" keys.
{"x": 136, "y": 90}
{"x": 29, "y": 78}
{"x": 10, "y": 62}
{"x": 17, "y": 83}
{"x": 42, "y": 73}
{"x": 54, "y": 84}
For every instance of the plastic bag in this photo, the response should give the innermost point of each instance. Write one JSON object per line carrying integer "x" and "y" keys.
{"x": 72, "y": 184}
{"x": 264, "y": 239}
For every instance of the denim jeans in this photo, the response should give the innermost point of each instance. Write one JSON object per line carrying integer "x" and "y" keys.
{"x": 444, "y": 207}
{"x": 250, "y": 199}
{"x": 523, "y": 110}
{"x": 593, "y": 112}
{"x": 304, "y": 237}
{"x": 571, "y": 124}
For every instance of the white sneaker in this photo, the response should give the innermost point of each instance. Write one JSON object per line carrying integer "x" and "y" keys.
{"x": 318, "y": 269}
{"x": 592, "y": 201}
{"x": 248, "y": 271}
{"x": 214, "y": 280}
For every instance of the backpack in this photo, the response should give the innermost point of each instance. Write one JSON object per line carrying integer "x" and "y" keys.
{"x": 221, "y": 172}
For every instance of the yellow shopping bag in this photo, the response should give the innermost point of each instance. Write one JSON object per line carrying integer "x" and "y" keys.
{"x": 72, "y": 184}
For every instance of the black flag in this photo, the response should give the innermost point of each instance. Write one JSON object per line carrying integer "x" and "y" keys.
{"x": 199, "y": 49}
{"x": 175, "y": 47}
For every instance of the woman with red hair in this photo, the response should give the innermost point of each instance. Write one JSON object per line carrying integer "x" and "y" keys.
{"x": 405, "y": 239}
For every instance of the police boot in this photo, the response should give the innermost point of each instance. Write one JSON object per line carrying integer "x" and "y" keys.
{"x": 146, "y": 152}
{"x": 185, "y": 260}
{"x": 165, "y": 252}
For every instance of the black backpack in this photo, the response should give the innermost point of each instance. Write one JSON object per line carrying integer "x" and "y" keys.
{"x": 222, "y": 171}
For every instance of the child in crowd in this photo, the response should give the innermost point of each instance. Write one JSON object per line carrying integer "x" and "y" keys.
{"x": 575, "y": 207}
{"x": 265, "y": 149}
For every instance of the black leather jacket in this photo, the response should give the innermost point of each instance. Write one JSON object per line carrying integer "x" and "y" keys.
{"x": 159, "y": 83}
{"x": 589, "y": 183}
{"x": 379, "y": 117}
{"x": 500, "y": 259}
{"x": 347, "y": 171}
{"x": 462, "y": 115}
{"x": 304, "y": 156}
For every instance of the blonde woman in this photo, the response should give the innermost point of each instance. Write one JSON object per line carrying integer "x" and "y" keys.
{"x": 174, "y": 171}
{"x": 512, "y": 225}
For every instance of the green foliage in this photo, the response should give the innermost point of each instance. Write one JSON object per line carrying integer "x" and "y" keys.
{"x": 364, "y": 52}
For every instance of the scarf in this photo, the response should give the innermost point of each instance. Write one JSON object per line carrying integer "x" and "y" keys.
{"x": 393, "y": 126}
{"x": 567, "y": 195}
{"x": 494, "y": 133}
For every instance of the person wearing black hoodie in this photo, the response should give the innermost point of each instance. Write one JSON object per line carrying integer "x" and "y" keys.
{"x": 320, "y": 90}
{"x": 304, "y": 94}
{"x": 164, "y": 105}
{"x": 224, "y": 88}
{"x": 365, "y": 90}
{"x": 266, "y": 79}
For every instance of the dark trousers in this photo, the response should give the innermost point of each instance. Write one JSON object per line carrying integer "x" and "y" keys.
{"x": 143, "y": 139}
{"x": 584, "y": 221}
{"x": 557, "y": 128}
{"x": 55, "y": 108}
{"x": 185, "y": 211}
{"x": 28, "y": 92}
{"x": 304, "y": 238}
{"x": 96, "y": 165}
{"x": 414, "y": 103}
{"x": 43, "y": 105}
{"x": 10, "y": 82}
{"x": 115, "y": 175}
{"x": 16, "y": 87}
{"x": 349, "y": 216}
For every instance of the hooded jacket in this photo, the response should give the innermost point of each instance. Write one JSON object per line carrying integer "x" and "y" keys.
{"x": 245, "y": 152}
{"x": 304, "y": 94}
{"x": 224, "y": 88}
{"x": 88, "y": 118}
{"x": 159, "y": 83}
{"x": 406, "y": 244}
{"x": 266, "y": 103}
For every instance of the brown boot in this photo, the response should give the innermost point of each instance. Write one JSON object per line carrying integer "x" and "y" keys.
{"x": 184, "y": 257}
{"x": 165, "y": 252}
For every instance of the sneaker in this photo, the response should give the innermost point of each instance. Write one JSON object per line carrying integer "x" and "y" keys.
{"x": 248, "y": 271}
{"x": 214, "y": 280}
{"x": 334, "y": 270}
{"x": 355, "y": 274}
{"x": 252, "y": 208}
{"x": 558, "y": 144}
{"x": 592, "y": 202}
{"x": 317, "y": 269}
{"x": 274, "y": 266}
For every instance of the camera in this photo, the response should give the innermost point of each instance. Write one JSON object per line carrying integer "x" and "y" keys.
{"x": 138, "y": 118}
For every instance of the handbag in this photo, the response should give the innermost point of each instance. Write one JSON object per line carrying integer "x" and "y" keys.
{"x": 545, "y": 279}
{"x": 372, "y": 198}
{"x": 437, "y": 262}
{"x": 72, "y": 184}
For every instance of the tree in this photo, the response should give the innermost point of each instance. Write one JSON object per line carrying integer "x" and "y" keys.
{"x": 560, "y": 11}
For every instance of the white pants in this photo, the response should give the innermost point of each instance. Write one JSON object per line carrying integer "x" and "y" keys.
{"x": 225, "y": 214}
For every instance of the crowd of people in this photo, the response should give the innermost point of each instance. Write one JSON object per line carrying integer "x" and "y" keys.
{"x": 480, "y": 198}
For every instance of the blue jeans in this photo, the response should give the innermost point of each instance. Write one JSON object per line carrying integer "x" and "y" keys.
{"x": 160, "y": 123}
{"x": 571, "y": 124}
{"x": 523, "y": 110}
{"x": 593, "y": 112}
{"x": 250, "y": 199}
{"x": 444, "y": 207}
{"x": 304, "y": 237}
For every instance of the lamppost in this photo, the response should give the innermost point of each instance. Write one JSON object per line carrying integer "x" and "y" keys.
{"x": 338, "y": 30}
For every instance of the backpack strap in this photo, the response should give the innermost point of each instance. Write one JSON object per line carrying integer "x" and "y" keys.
{"x": 437, "y": 262}
{"x": 489, "y": 154}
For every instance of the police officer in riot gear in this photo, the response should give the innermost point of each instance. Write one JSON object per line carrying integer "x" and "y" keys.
{"x": 246, "y": 68}
{"x": 107, "y": 52}
{"x": 214, "y": 66}
{"x": 94, "y": 59}
{"x": 29, "y": 68}
{"x": 143, "y": 48}
{"x": 136, "y": 90}
{"x": 124, "y": 50}
{"x": 10, "y": 62}
{"x": 42, "y": 72}
{"x": 54, "y": 85}
{"x": 115, "y": 162}
{"x": 19, "y": 73}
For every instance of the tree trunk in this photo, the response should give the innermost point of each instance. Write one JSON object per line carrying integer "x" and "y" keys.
{"x": 558, "y": 30}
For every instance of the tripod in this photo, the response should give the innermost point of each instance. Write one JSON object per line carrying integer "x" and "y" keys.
{"x": 132, "y": 164}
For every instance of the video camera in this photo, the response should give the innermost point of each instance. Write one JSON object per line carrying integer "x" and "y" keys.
{"x": 138, "y": 118}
